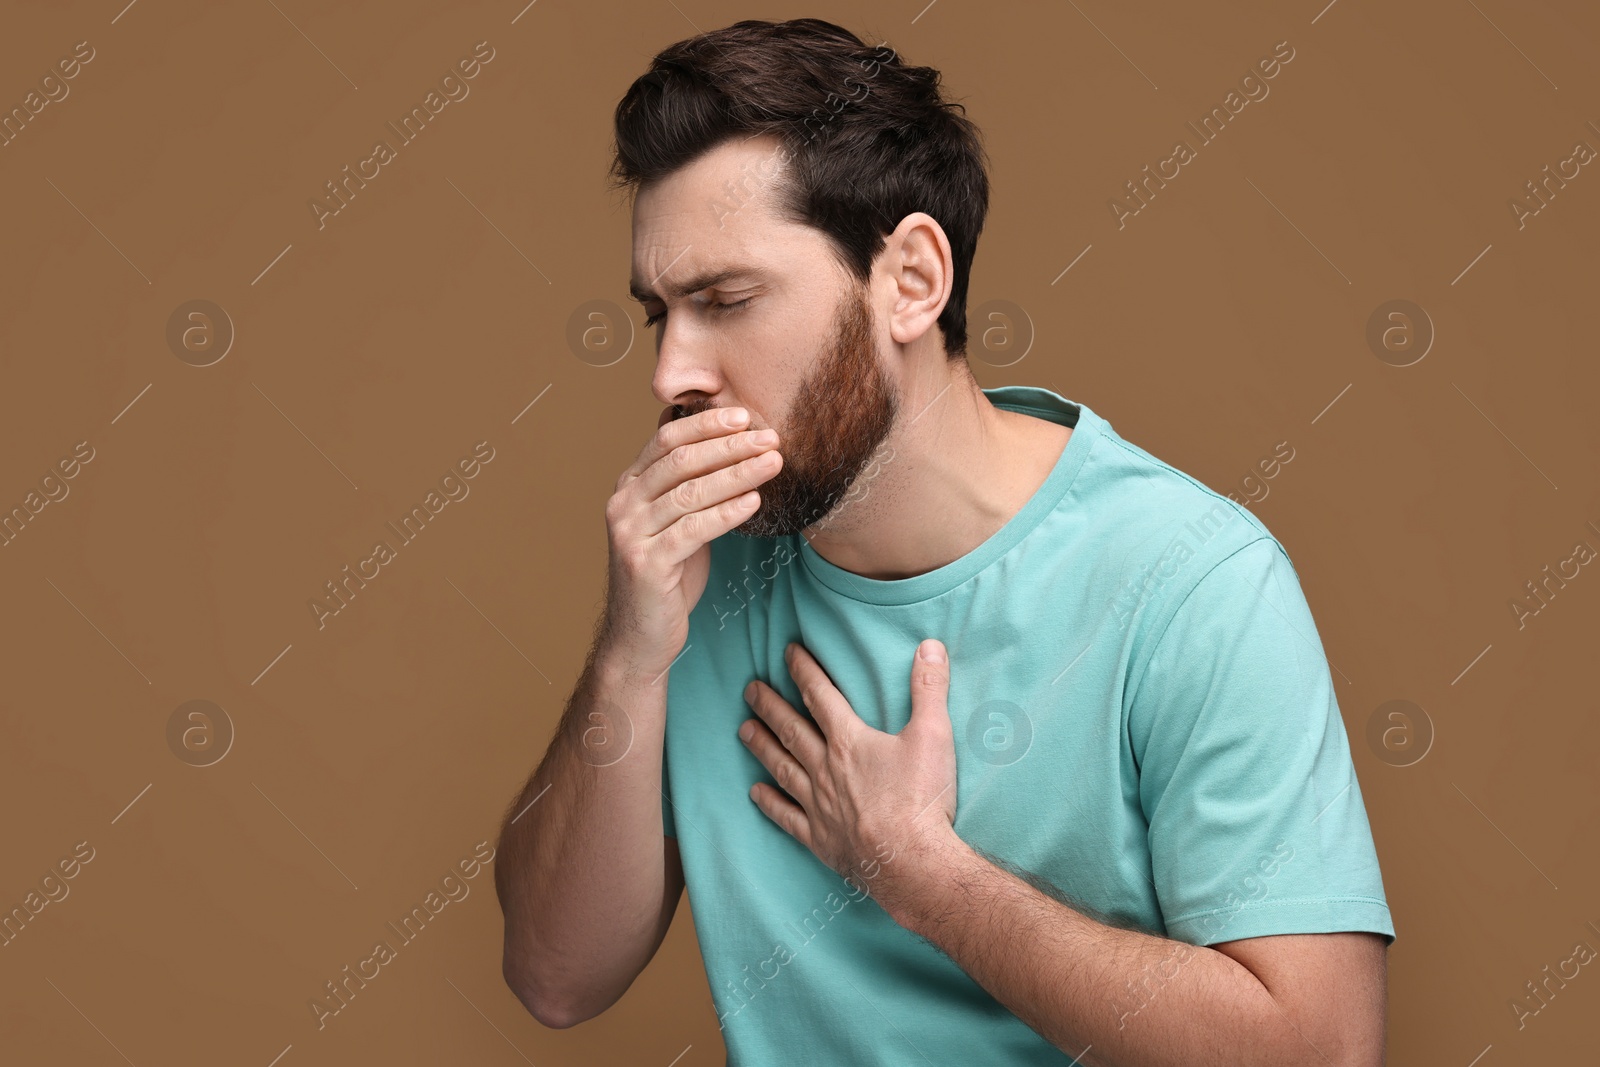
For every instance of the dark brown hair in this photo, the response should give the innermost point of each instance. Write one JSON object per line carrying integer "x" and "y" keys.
{"x": 867, "y": 139}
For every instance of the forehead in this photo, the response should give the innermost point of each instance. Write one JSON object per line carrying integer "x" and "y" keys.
{"x": 715, "y": 214}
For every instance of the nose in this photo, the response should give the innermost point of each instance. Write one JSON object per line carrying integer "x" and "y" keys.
{"x": 685, "y": 371}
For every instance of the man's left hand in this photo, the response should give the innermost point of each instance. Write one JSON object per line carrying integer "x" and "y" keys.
{"x": 848, "y": 790}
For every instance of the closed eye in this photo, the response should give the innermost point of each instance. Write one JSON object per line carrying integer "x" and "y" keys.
{"x": 728, "y": 308}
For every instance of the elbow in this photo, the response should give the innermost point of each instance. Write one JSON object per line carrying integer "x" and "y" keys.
{"x": 551, "y": 1014}
{"x": 549, "y": 1008}
{"x": 1352, "y": 1045}
{"x": 546, "y": 1009}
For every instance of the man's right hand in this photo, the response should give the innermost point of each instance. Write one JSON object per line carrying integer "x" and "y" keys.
{"x": 693, "y": 482}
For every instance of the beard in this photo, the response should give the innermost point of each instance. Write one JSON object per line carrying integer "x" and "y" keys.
{"x": 838, "y": 418}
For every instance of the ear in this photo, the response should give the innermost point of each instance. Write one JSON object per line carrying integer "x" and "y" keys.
{"x": 918, "y": 260}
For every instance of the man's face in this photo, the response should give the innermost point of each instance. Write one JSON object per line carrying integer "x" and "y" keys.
{"x": 806, "y": 344}
{"x": 835, "y": 421}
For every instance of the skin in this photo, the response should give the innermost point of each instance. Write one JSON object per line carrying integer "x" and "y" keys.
{"x": 849, "y": 792}
{"x": 837, "y": 423}
{"x": 961, "y": 467}
{"x": 948, "y": 471}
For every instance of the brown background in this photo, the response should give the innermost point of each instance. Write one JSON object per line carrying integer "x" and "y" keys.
{"x": 373, "y": 754}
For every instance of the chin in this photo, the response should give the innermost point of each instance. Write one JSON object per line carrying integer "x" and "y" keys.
{"x": 762, "y": 525}
{"x": 757, "y": 526}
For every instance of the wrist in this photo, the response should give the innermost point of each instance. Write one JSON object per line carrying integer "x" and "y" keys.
{"x": 924, "y": 866}
{"x": 617, "y": 669}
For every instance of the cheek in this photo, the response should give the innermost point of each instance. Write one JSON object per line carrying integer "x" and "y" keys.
{"x": 770, "y": 362}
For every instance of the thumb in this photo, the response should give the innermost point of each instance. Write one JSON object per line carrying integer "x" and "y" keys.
{"x": 930, "y": 686}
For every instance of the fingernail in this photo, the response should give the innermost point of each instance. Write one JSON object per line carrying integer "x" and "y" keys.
{"x": 931, "y": 651}
{"x": 747, "y": 731}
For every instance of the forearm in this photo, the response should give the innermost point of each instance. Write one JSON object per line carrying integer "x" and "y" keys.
{"x": 1129, "y": 998}
{"x": 580, "y": 874}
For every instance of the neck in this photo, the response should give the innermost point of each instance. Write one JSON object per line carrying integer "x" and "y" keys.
{"x": 951, "y": 473}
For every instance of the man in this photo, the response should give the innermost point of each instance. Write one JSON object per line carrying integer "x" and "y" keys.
{"x": 981, "y": 735}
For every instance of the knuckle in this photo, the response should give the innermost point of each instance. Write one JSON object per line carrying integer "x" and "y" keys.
{"x": 695, "y": 524}
{"x": 685, "y": 530}
{"x": 669, "y": 539}
{"x": 634, "y": 558}
{"x": 682, "y": 496}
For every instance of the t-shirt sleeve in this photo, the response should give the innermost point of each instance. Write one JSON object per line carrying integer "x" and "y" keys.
{"x": 1256, "y": 822}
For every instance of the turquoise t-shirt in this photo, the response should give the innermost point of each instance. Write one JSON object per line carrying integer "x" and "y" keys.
{"x": 1144, "y": 724}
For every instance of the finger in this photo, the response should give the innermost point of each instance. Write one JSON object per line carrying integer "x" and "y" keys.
{"x": 789, "y": 816}
{"x": 797, "y": 735}
{"x": 930, "y": 689}
{"x": 699, "y": 475}
{"x": 699, "y": 528}
{"x": 672, "y": 432}
{"x": 820, "y": 696}
{"x": 791, "y": 777}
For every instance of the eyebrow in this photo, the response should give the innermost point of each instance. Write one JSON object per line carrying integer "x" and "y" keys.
{"x": 704, "y": 280}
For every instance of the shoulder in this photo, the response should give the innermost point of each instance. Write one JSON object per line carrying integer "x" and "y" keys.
{"x": 1162, "y": 531}
{"x": 1156, "y": 497}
